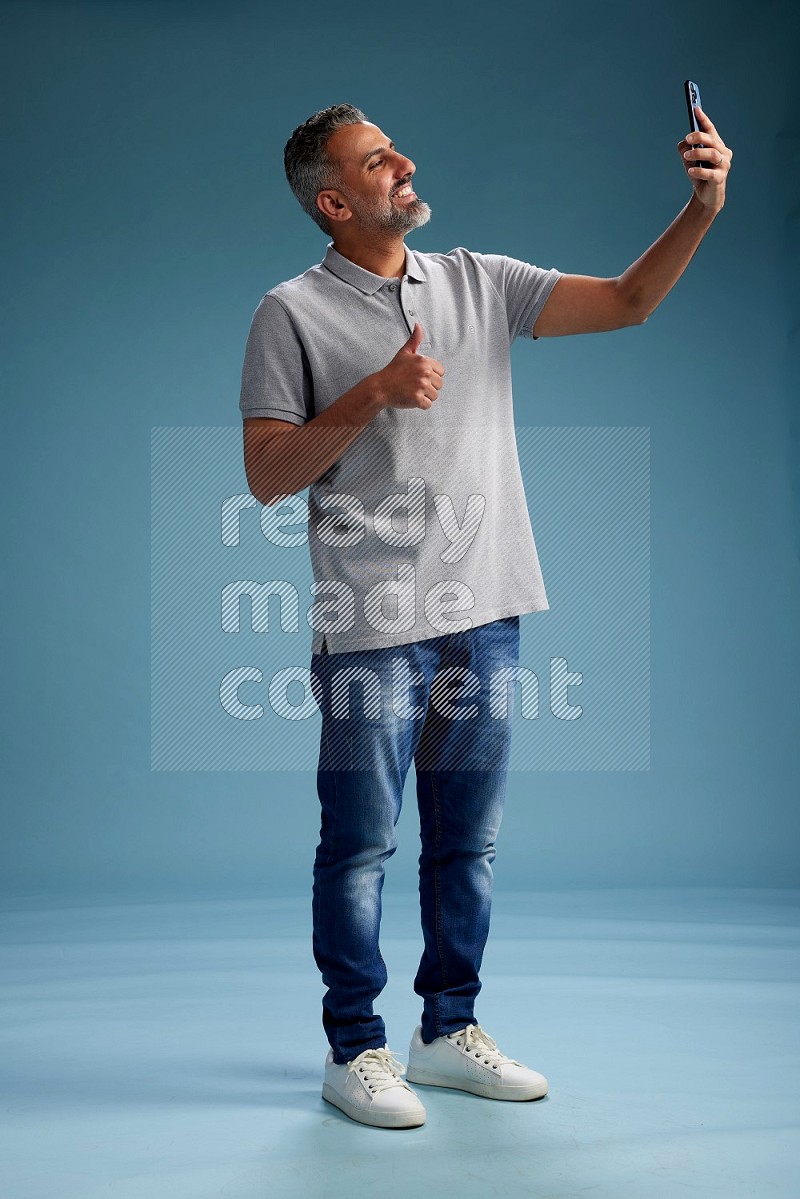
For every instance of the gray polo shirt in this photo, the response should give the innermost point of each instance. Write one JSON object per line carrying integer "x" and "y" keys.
{"x": 420, "y": 528}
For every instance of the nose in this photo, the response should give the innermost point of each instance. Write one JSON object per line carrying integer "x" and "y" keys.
{"x": 404, "y": 166}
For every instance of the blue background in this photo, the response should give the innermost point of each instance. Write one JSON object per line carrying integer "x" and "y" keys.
{"x": 149, "y": 213}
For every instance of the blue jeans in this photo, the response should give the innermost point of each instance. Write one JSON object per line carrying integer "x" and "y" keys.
{"x": 404, "y": 704}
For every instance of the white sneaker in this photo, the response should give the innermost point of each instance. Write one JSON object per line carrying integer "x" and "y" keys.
{"x": 371, "y": 1089}
{"x": 470, "y": 1061}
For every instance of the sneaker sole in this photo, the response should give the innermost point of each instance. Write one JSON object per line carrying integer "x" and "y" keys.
{"x": 429, "y": 1078}
{"x": 376, "y": 1119}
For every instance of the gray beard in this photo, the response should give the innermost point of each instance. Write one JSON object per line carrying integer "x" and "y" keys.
{"x": 397, "y": 219}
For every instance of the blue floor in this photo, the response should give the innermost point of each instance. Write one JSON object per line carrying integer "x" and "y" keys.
{"x": 175, "y": 1051}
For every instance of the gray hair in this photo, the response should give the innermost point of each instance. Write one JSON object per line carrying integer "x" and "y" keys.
{"x": 308, "y": 168}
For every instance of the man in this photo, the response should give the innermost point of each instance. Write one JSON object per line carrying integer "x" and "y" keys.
{"x": 381, "y": 379}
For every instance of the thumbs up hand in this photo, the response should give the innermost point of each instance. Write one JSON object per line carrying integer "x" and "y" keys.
{"x": 414, "y": 341}
{"x": 411, "y": 379}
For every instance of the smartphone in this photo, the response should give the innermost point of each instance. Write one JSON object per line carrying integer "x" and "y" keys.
{"x": 692, "y": 98}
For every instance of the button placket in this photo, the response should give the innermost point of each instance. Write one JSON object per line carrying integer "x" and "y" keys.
{"x": 407, "y": 302}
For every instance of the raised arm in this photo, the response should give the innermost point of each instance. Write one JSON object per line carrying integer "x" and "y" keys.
{"x": 586, "y": 304}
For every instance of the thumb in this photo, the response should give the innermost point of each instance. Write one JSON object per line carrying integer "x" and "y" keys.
{"x": 414, "y": 340}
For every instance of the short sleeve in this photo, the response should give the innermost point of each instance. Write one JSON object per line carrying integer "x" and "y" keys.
{"x": 523, "y": 287}
{"x": 276, "y": 380}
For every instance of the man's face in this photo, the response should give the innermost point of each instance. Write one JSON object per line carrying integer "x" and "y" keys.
{"x": 376, "y": 182}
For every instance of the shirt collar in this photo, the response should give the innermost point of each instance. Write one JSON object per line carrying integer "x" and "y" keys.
{"x": 363, "y": 279}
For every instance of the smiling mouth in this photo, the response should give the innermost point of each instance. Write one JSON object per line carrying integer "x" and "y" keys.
{"x": 404, "y": 193}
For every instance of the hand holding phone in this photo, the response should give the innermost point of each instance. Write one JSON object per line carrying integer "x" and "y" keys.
{"x": 692, "y": 98}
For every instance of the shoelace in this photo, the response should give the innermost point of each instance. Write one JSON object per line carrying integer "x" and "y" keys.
{"x": 477, "y": 1042}
{"x": 379, "y": 1070}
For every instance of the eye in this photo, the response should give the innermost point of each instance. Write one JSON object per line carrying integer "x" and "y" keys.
{"x": 378, "y": 162}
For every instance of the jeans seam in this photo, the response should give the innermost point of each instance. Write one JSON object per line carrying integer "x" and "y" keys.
{"x": 330, "y": 855}
{"x": 437, "y": 842}
{"x": 437, "y": 902}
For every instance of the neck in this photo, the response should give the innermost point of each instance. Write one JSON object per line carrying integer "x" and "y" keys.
{"x": 378, "y": 254}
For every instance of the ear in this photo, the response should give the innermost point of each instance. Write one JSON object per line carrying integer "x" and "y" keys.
{"x": 331, "y": 205}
